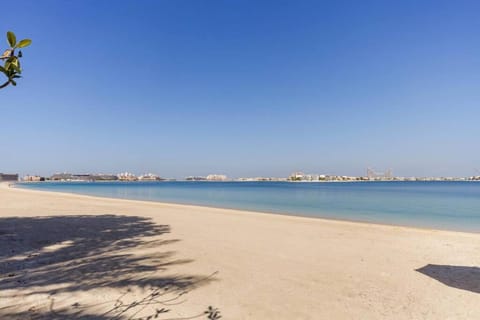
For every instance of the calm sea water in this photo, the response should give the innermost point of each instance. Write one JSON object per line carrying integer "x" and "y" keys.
{"x": 440, "y": 205}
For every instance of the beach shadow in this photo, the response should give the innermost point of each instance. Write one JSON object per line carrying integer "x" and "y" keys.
{"x": 68, "y": 254}
{"x": 465, "y": 278}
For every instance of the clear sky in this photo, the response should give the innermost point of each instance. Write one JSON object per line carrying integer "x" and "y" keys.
{"x": 243, "y": 88}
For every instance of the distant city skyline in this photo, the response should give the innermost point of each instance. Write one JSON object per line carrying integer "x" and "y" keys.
{"x": 244, "y": 88}
{"x": 371, "y": 175}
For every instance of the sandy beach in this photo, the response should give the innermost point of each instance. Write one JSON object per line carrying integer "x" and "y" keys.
{"x": 67, "y": 256}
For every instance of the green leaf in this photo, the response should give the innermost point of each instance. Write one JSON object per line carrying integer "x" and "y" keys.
{"x": 24, "y": 43}
{"x": 13, "y": 60}
{"x": 12, "y": 40}
{"x": 16, "y": 69}
{"x": 13, "y": 82}
{"x": 13, "y": 64}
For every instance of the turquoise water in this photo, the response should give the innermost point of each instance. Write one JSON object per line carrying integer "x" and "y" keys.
{"x": 439, "y": 205}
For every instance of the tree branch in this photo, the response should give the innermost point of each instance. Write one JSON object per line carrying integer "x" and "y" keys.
{"x": 5, "y": 84}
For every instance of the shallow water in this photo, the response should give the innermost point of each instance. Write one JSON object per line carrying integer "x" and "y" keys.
{"x": 439, "y": 205}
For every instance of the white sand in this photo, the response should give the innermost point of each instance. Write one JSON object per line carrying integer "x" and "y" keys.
{"x": 249, "y": 265}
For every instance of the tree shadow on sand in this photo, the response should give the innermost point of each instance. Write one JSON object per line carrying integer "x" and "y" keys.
{"x": 465, "y": 278}
{"x": 50, "y": 256}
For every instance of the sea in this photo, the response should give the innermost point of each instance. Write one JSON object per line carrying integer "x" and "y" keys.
{"x": 446, "y": 205}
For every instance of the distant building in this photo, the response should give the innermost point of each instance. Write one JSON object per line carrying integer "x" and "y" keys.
{"x": 149, "y": 177}
{"x": 8, "y": 177}
{"x": 102, "y": 177}
{"x": 311, "y": 177}
{"x": 62, "y": 177}
{"x": 83, "y": 177}
{"x": 216, "y": 177}
{"x": 373, "y": 175}
{"x": 195, "y": 178}
{"x": 126, "y": 176}
{"x": 296, "y": 176}
{"x": 30, "y": 178}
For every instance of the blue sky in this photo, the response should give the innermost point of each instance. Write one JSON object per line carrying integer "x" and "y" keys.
{"x": 244, "y": 88}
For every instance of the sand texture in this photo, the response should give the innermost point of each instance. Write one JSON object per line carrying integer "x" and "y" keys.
{"x": 77, "y": 257}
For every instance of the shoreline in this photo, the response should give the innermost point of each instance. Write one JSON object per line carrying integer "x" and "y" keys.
{"x": 243, "y": 211}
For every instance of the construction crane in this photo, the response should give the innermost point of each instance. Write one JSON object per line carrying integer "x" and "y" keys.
{"x": 373, "y": 174}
